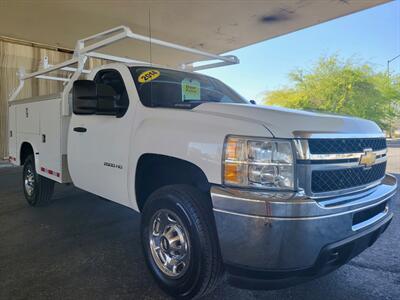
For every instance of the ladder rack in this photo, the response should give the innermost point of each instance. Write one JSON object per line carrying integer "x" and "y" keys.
{"x": 87, "y": 47}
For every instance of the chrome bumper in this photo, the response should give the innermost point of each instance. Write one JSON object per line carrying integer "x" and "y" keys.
{"x": 282, "y": 231}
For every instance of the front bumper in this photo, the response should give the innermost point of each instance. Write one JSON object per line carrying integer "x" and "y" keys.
{"x": 279, "y": 235}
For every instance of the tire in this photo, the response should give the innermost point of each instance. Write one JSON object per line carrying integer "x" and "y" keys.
{"x": 38, "y": 190}
{"x": 191, "y": 220}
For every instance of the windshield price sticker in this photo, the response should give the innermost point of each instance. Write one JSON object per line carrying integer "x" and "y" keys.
{"x": 148, "y": 76}
{"x": 190, "y": 89}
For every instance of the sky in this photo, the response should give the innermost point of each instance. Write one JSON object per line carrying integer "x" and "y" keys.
{"x": 372, "y": 36}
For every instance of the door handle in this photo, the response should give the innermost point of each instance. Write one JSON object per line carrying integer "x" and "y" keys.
{"x": 80, "y": 129}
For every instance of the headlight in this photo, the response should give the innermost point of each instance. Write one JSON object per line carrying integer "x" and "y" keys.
{"x": 253, "y": 162}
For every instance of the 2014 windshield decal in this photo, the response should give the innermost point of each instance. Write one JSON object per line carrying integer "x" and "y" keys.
{"x": 113, "y": 165}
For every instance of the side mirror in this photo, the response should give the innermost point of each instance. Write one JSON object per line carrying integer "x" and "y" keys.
{"x": 89, "y": 98}
{"x": 84, "y": 97}
{"x": 253, "y": 102}
{"x": 106, "y": 100}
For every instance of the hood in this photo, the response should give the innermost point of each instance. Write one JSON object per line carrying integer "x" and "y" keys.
{"x": 289, "y": 123}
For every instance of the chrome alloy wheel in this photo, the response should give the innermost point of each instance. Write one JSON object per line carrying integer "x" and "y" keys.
{"x": 169, "y": 243}
{"x": 29, "y": 181}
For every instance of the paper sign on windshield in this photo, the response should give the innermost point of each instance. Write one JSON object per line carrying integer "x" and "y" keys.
{"x": 190, "y": 89}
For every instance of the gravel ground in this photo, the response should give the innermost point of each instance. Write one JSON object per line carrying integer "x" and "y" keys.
{"x": 84, "y": 247}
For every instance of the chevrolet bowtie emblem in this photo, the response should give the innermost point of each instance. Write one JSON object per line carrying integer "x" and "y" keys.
{"x": 368, "y": 158}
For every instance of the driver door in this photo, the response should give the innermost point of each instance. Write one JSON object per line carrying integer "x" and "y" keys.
{"x": 98, "y": 143}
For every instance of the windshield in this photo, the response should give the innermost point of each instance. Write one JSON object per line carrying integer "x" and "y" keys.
{"x": 168, "y": 88}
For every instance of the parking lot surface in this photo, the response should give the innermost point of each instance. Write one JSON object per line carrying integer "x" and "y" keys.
{"x": 84, "y": 247}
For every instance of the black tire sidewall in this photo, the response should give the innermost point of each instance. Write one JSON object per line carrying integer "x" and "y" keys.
{"x": 30, "y": 163}
{"x": 188, "y": 284}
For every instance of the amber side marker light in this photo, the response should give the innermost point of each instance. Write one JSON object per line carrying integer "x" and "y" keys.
{"x": 232, "y": 173}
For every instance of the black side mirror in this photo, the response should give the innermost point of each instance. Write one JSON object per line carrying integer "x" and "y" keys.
{"x": 106, "y": 100}
{"x": 89, "y": 98}
{"x": 253, "y": 102}
{"x": 84, "y": 97}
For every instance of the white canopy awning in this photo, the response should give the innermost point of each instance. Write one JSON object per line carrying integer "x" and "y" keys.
{"x": 213, "y": 26}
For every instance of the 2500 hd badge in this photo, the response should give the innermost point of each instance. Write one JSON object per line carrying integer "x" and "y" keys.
{"x": 113, "y": 165}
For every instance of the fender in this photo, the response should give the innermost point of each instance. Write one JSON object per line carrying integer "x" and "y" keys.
{"x": 186, "y": 135}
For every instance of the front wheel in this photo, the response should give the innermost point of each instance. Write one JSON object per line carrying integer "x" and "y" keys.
{"x": 37, "y": 189}
{"x": 180, "y": 242}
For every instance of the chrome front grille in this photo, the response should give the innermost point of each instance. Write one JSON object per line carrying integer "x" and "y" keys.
{"x": 331, "y": 166}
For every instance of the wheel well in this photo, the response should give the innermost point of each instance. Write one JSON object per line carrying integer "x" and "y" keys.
{"x": 26, "y": 150}
{"x": 154, "y": 171}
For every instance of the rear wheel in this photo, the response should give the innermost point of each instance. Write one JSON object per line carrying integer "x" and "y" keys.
{"x": 180, "y": 242}
{"x": 37, "y": 189}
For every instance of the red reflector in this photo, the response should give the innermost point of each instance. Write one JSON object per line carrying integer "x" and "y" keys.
{"x": 50, "y": 172}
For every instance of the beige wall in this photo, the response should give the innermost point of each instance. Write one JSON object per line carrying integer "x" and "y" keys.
{"x": 14, "y": 55}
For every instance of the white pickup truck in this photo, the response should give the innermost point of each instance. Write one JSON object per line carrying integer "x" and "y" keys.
{"x": 268, "y": 196}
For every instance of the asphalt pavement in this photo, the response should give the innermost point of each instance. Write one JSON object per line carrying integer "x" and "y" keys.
{"x": 84, "y": 247}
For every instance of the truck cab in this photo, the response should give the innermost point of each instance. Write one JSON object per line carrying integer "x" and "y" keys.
{"x": 269, "y": 196}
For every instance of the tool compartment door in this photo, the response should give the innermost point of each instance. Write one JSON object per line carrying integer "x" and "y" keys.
{"x": 12, "y": 135}
{"x": 50, "y": 139}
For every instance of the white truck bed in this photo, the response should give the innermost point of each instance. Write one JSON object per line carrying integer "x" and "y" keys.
{"x": 38, "y": 121}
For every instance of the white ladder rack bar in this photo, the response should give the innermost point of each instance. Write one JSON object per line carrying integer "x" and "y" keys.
{"x": 64, "y": 79}
{"x": 50, "y": 69}
{"x": 123, "y": 32}
{"x": 100, "y": 40}
{"x": 212, "y": 65}
{"x": 116, "y": 58}
{"x": 228, "y": 59}
{"x": 71, "y": 69}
